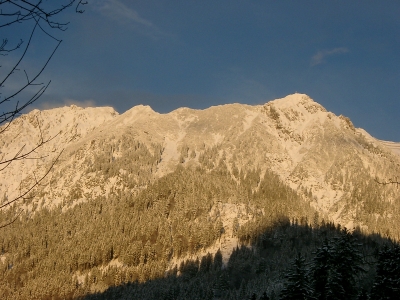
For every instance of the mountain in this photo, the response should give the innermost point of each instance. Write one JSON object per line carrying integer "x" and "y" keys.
{"x": 57, "y": 128}
{"x": 318, "y": 154}
{"x": 156, "y": 189}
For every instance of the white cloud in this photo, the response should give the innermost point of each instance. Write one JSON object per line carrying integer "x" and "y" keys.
{"x": 67, "y": 102}
{"x": 120, "y": 12}
{"x": 320, "y": 56}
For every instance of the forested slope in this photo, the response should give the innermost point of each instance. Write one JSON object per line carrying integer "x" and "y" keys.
{"x": 107, "y": 241}
{"x": 287, "y": 261}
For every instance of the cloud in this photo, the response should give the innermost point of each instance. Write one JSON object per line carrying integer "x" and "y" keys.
{"x": 320, "y": 56}
{"x": 119, "y": 11}
{"x": 67, "y": 102}
{"x": 123, "y": 14}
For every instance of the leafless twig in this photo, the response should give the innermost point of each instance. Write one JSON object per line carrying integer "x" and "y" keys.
{"x": 42, "y": 17}
{"x": 37, "y": 182}
{"x": 20, "y": 155}
{"x": 395, "y": 181}
{"x": 12, "y": 221}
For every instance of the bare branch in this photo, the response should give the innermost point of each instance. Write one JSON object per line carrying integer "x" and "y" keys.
{"x": 37, "y": 182}
{"x": 19, "y": 156}
{"x": 31, "y": 10}
{"x": 3, "y": 45}
{"x": 38, "y": 15}
{"x": 12, "y": 221}
{"x": 19, "y": 61}
{"x": 34, "y": 78}
{"x": 81, "y": 3}
{"x": 395, "y": 181}
{"x": 12, "y": 114}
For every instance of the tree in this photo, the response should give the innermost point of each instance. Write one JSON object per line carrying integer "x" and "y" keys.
{"x": 264, "y": 296}
{"x": 387, "y": 281}
{"x": 298, "y": 285}
{"x": 221, "y": 285}
{"x": 336, "y": 267}
{"x": 35, "y": 16}
{"x": 218, "y": 260}
{"x": 321, "y": 269}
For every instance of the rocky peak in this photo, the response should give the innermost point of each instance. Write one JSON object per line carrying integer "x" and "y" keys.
{"x": 297, "y": 102}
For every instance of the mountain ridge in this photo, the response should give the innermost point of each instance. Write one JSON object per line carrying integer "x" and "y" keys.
{"x": 295, "y": 137}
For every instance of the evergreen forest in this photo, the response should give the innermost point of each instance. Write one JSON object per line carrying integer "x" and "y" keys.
{"x": 138, "y": 241}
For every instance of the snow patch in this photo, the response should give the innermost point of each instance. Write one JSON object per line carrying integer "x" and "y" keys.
{"x": 218, "y": 138}
{"x": 170, "y": 153}
{"x": 248, "y": 120}
{"x": 392, "y": 146}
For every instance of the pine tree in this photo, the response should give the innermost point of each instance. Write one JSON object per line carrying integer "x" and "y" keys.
{"x": 253, "y": 297}
{"x": 205, "y": 263}
{"x": 321, "y": 269}
{"x": 173, "y": 292}
{"x": 333, "y": 288}
{"x": 298, "y": 285}
{"x": 264, "y": 296}
{"x": 221, "y": 285}
{"x": 336, "y": 267}
{"x": 387, "y": 281}
{"x": 347, "y": 261}
{"x": 218, "y": 260}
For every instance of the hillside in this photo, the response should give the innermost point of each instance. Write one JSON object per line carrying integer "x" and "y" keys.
{"x": 319, "y": 155}
{"x": 140, "y": 192}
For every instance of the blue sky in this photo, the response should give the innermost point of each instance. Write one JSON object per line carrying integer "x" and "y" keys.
{"x": 168, "y": 54}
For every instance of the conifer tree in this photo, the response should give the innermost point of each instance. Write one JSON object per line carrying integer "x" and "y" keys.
{"x": 253, "y": 297}
{"x": 347, "y": 261}
{"x": 321, "y": 267}
{"x": 336, "y": 267}
{"x": 298, "y": 285}
{"x": 218, "y": 260}
{"x": 264, "y": 296}
{"x": 221, "y": 285}
{"x": 387, "y": 281}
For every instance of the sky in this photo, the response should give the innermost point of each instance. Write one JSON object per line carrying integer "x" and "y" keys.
{"x": 167, "y": 54}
